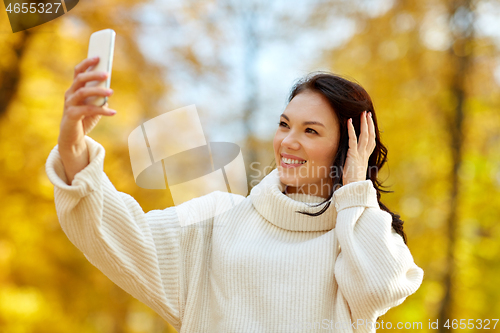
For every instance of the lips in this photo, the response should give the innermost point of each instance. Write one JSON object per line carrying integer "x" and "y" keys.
{"x": 289, "y": 161}
{"x": 292, "y": 157}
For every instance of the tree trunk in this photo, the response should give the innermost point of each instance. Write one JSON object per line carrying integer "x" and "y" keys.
{"x": 10, "y": 76}
{"x": 460, "y": 55}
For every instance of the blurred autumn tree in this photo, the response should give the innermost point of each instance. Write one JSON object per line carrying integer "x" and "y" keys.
{"x": 427, "y": 69}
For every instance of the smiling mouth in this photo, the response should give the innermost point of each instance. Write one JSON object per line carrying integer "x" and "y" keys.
{"x": 290, "y": 162}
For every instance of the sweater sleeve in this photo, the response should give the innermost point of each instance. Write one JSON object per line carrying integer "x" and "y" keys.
{"x": 138, "y": 251}
{"x": 374, "y": 269}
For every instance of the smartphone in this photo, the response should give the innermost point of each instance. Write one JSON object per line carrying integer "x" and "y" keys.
{"x": 101, "y": 44}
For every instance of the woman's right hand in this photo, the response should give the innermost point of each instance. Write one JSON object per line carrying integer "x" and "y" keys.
{"x": 79, "y": 118}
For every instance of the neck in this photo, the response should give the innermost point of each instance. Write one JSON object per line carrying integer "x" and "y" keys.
{"x": 281, "y": 210}
{"x": 323, "y": 191}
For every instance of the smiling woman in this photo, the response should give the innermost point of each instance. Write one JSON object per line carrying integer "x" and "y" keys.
{"x": 309, "y": 131}
{"x": 228, "y": 263}
{"x": 325, "y": 115}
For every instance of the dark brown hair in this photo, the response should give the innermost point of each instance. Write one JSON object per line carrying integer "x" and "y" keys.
{"x": 349, "y": 100}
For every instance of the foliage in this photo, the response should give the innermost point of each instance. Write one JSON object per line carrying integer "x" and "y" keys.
{"x": 404, "y": 57}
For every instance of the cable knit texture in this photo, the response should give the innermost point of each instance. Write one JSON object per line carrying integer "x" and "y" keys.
{"x": 257, "y": 267}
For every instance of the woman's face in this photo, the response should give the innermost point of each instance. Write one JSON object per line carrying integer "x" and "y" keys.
{"x": 308, "y": 131}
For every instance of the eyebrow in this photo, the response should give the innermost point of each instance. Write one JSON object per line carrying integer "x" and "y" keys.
{"x": 305, "y": 122}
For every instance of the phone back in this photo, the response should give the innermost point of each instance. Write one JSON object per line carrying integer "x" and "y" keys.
{"x": 102, "y": 44}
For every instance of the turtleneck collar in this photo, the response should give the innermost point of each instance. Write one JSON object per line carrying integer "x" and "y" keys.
{"x": 280, "y": 209}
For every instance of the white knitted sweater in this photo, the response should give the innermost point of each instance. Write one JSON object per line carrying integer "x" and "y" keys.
{"x": 258, "y": 267}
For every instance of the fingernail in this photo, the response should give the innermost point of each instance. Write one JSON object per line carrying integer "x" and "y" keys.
{"x": 112, "y": 112}
{"x": 370, "y": 114}
{"x": 95, "y": 58}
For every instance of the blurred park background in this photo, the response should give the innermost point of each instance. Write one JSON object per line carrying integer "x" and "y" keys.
{"x": 432, "y": 68}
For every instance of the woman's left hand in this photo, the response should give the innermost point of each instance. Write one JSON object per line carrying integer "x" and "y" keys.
{"x": 359, "y": 152}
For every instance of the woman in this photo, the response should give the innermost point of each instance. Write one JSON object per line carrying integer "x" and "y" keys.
{"x": 283, "y": 259}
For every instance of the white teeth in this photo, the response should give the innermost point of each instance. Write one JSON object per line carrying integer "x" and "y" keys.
{"x": 289, "y": 161}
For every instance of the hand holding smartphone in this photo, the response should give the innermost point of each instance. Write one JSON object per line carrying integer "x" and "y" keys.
{"x": 85, "y": 102}
{"x": 101, "y": 44}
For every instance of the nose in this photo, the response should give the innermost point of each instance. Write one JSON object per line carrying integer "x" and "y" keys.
{"x": 290, "y": 142}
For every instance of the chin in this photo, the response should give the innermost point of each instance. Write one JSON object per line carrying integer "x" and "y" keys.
{"x": 290, "y": 180}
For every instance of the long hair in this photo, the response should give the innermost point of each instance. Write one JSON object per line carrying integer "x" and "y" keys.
{"x": 348, "y": 99}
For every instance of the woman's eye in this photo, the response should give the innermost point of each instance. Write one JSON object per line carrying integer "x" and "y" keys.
{"x": 312, "y": 130}
{"x": 283, "y": 124}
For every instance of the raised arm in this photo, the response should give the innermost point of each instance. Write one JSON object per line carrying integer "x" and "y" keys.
{"x": 374, "y": 269}
{"x": 116, "y": 236}
{"x": 109, "y": 227}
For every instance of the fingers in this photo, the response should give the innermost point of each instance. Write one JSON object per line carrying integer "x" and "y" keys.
{"x": 82, "y": 67}
{"x": 353, "y": 141}
{"x": 79, "y": 96}
{"x": 371, "y": 130}
{"x": 366, "y": 140}
{"x": 363, "y": 132}
{"x": 80, "y": 111}
{"x": 82, "y": 78}
{"x": 367, "y": 132}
